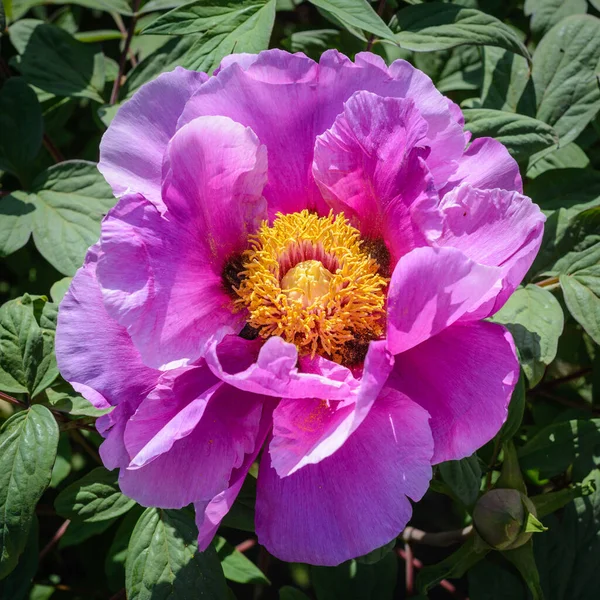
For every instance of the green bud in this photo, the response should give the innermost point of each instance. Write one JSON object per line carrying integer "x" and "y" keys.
{"x": 505, "y": 519}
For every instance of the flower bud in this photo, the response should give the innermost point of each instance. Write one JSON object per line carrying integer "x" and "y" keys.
{"x": 501, "y": 518}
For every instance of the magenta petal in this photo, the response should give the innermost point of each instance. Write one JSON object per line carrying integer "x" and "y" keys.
{"x": 112, "y": 428}
{"x": 162, "y": 274}
{"x": 308, "y": 430}
{"x": 487, "y": 165}
{"x": 270, "y": 368}
{"x": 495, "y": 228}
{"x": 192, "y": 456}
{"x": 464, "y": 378}
{"x": 132, "y": 149}
{"x": 431, "y": 288}
{"x": 258, "y": 92}
{"x": 210, "y": 514}
{"x": 94, "y": 353}
{"x": 215, "y": 172}
{"x": 371, "y": 166}
{"x": 354, "y": 501}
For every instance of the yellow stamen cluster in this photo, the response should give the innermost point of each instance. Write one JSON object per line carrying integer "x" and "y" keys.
{"x": 307, "y": 279}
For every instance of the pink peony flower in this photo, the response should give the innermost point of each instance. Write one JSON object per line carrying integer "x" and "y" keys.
{"x": 300, "y": 262}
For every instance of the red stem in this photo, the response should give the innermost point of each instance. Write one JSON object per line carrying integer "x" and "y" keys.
{"x": 59, "y": 533}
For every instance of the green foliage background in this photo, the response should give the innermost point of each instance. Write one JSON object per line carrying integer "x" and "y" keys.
{"x": 525, "y": 72}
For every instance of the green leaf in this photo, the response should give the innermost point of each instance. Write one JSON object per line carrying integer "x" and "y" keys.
{"x": 523, "y": 559}
{"x": 56, "y": 62}
{"x": 570, "y": 156}
{"x": 454, "y": 566}
{"x": 356, "y": 14}
{"x": 314, "y": 42}
{"x": 287, "y": 592}
{"x": 565, "y": 75}
{"x": 547, "y": 13}
{"x": 28, "y": 442}
{"x": 452, "y": 70}
{"x": 27, "y": 361}
{"x": 236, "y": 566}
{"x": 546, "y": 504}
{"x": 73, "y": 404}
{"x": 22, "y": 128}
{"x": 353, "y": 580}
{"x": 70, "y": 200}
{"x": 95, "y": 497}
{"x": 535, "y": 319}
{"x": 15, "y": 222}
{"x": 163, "y": 560}
{"x": 219, "y": 27}
{"x": 490, "y": 580}
{"x": 516, "y": 410}
{"x": 80, "y": 531}
{"x": 118, "y": 6}
{"x": 533, "y": 525}
{"x": 582, "y": 296}
{"x": 59, "y": 289}
{"x": 463, "y": 477}
{"x": 16, "y": 585}
{"x": 522, "y": 136}
{"x": 439, "y": 26}
{"x": 62, "y": 464}
{"x": 559, "y": 445}
{"x": 507, "y": 83}
{"x": 114, "y": 564}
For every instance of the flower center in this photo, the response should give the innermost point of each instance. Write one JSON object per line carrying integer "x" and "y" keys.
{"x": 308, "y": 279}
{"x": 307, "y": 282}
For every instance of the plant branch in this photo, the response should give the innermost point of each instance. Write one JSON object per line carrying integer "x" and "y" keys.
{"x": 409, "y": 570}
{"x": 246, "y": 545}
{"x": 54, "y": 152}
{"x": 444, "y": 538}
{"x": 551, "y": 281}
{"x": 488, "y": 477}
{"x": 444, "y": 583}
{"x": 59, "y": 533}
{"x": 86, "y": 445}
{"x": 565, "y": 379}
{"x": 12, "y": 400}
{"x": 565, "y": 401}
{"x": 380, "y": 9}
{"x": 117, "y": 84}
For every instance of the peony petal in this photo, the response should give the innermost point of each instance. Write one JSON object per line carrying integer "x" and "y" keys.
{"x": 354, "y": 501}
{"x": 258, "y": 92}
{"x": 94, "y": 353}
{"x": 270, "y": 368}
{"x": 162, "y": 274}
{"x": 487, "y": 165}
{"x": 464, "y": 378}
{"x": 370, "y": 165}
{"x": 210, "y": 514}
{"x": 431, "y": 288}
{"x": 308, "y": 430}
{"x": 199, "y": 456}
{"x": 495, "y": 228}
{"x": 132, "y": 149}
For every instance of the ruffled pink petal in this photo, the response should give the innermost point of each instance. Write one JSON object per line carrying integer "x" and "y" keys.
{"x": 308, "y": 430}
{"x": 464, "y": 378}
{"x": 112, "y": 428}
{"x": 495, "y": 228}
{"x": 190, "y": 448}
{"x": 430, "y": 289}
{"x": 210, "y": 514}
{"x": 94, "y": 353}
{"x": 271, "y": 368}
{"x": 354, "y": 501}
{"x": 259, "y": 91}
{"x": 132, "y": 149}
{"x": 486, "y": 165}
{"x": 371, "y": 166}
{"x": 162, "y": 274}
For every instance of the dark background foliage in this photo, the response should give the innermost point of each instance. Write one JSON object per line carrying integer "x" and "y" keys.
{"x": 525, "y": 72}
